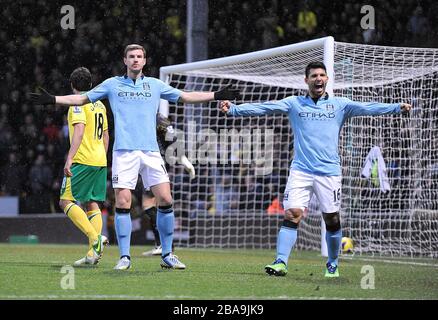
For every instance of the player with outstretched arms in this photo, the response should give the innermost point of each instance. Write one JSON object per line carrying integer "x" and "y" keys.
{"x": 134, "y": 100}
{"x": 316, "y": 120}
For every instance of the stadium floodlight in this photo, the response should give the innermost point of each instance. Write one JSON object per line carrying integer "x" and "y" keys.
{"x": 401, "y": 222}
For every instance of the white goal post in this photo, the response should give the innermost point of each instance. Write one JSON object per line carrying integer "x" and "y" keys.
{"x": 232, "y": 203}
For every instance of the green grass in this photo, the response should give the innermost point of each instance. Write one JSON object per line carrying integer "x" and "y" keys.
{"x": 34, "y": 272}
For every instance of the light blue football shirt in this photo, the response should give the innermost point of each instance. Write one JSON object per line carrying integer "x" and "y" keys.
{"x": 316, "y": 127}
{"x": 134, "y": 106}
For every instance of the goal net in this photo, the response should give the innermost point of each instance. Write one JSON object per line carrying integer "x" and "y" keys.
{"x": 242, "y": 164}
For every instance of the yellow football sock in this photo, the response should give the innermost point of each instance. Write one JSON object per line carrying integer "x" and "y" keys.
{"x": 79, "y": 218}
{"x": 95, "y": 218}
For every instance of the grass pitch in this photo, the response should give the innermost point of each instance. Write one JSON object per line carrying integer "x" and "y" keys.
{"x": 35, "y": 272}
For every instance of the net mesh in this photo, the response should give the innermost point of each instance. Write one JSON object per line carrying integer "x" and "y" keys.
{"x": 242, "y": 164}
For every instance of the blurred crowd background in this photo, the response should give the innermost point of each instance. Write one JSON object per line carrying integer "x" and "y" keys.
{"x": 36, "y": 51}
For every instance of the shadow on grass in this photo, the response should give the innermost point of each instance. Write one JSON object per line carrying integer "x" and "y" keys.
{"x": 128, "y": 273}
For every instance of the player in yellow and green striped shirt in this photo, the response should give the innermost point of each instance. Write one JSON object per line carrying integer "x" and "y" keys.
{"x": 85, "y": 169}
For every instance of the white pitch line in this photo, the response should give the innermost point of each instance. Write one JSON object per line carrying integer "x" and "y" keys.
{"x": 394, "y": 261}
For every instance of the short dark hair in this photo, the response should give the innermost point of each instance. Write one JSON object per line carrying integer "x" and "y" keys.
{"x": 134, "y": 46}
{"x": 80, "y": 79}
{"x": 315, "y": 65}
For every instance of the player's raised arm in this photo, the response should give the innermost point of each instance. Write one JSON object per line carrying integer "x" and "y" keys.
{"x": 354, "y": 108}
{"x": 196, "y": 96}
{"x": 255, "y": 109}
{"x": 72, "y": 100}
{"x": 45, "y": 98}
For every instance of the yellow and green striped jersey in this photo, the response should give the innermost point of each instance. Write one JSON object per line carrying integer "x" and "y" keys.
{"x": 92, "y": 150}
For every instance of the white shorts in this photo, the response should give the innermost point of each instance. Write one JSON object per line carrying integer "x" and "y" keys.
{"x": 127, "y": 165}
{"x": 301, "y": 186}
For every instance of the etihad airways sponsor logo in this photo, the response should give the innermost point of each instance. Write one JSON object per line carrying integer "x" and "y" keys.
{"x": 317, "y": 115}
{"x": 133, "y": 94}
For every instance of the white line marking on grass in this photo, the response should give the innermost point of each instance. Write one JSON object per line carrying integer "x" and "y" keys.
{"x": 413, "y": 263}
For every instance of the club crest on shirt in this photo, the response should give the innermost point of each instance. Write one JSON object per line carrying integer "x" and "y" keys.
{"x": 77, "y": 109}
{"x": 330, "y": 107}
{"x": 146, "y": 86}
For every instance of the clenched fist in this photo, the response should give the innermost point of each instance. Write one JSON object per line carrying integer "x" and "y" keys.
{"x": 224, "y": 106}
{"x": 405, "y": 107}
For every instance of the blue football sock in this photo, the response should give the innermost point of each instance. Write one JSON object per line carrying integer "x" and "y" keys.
{"x": 165, "y": 225}
{"x": 123, "y": 231}
{"x": 285, "y": 243}
{"x": 333, "y": 240}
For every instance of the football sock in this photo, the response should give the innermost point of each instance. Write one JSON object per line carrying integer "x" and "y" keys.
{"x": 333, "y": 239}
{"x": 123, "y": 230}
{"x": 165, "y": 224}
{"x": 286, "y": 240}
{"x": 95, "y": 218}
{"x": 151, "y": 213}
{"x": 79, "y": 218}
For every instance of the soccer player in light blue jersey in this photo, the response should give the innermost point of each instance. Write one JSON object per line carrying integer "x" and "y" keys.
{"x": 134, "y": 100}
{"x": 316, "y": 120}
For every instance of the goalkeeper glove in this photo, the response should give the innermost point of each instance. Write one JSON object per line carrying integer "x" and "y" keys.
{"x": 188, "y": 166}
{"x": 42, "y": 98}
{"x": 162, "y": 123}
{"x": 227, "y": 94}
